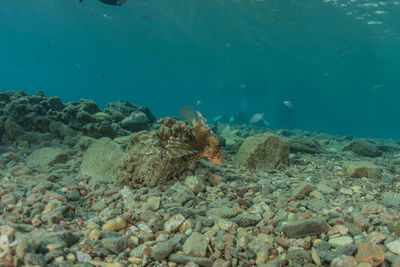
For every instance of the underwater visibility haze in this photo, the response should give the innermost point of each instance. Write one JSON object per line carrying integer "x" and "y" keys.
{"x": 336, "y": 60}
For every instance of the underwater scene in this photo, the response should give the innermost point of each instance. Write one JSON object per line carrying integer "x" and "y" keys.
{"x": 213, "y": 133}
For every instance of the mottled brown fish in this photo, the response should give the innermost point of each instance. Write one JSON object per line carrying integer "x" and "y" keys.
{"x": 207, "y": 144}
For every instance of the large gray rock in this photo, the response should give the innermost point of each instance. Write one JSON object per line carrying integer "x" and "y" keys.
{"x": 363, "y": 148}
{"x": 362, "y": 169}
{"x": 163, "y": 249}
{"x": 119, "y": 110}
{"x": 148, "y": 163}
{"x": 302, "y": 190}
{"x": 196, "y": 245}
{"x": 17, "y": 134}
{"x": 306, "y": 145}
{"x": 263, "y": 151}
{"x": 304, "y": 228}
{"x": 48, "y": 156}
{"x": 137, "y": 121}
{"x": 101, "y": 159}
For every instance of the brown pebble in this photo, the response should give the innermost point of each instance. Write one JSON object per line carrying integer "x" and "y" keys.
{"x": 227, "y": 254}
{"x": 274, "y": 252}
{"x": 243, "y": 202}
{"x": 148, "y": 251}
{"x": 370, "y": 253}
{"x": 292, "y": 209}
{"x": 216, "y": 180}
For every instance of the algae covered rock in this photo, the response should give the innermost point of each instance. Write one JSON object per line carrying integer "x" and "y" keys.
{"x": 48, "y": 156}
{"x": 101, "y": 159}
{"x": 306, "y": 145}
{"x": 148, "y": 163}
{"x": 363, "y": 148}
{"x": 362, "y": 169}
{"x": 263, "y": 151}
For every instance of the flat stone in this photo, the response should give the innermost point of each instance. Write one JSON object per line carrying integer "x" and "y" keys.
{"x": 48, "y": 156}
{"x": 362, "y": 169}
{"x": 152, "y": 203}
{"x": 163, "y": 249}
{"x": 245, "y": 220}
{"x": 115, "y": 244}
{"x": 196, "y": 245}
{"x": 344, "y": 261}
{"x": 116, "y": 224}
{"x": 194, "y": 183}
{"x": 263, "y": 151}
{"x": 304, "y": 228}
{"x": 370, "y": 253}
{"x": 223, "y": 212}
{"x": 340, "y": 241}
{"x": 394, "y": 246}
{"x": 101, "y": 159}
{"x": 34, "y": 259}
{"x": 174, "y": 222}
{"x": 372, "y": 208}
{"x": 302, "y": 190}
{"x": 83, "y": 257}
{"x": 305, "y": 145}
{"x": 184, "y": 259}
{"x": 363, "y": 147}
{"x": 359, "y": 220}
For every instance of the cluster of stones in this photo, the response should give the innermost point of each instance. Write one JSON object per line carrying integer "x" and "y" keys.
{"x": 28, "y": 119}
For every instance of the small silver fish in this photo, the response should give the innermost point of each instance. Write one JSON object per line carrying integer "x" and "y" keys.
{"x": 288, "y": 103}
{"x": 259, "y": 117}
{"x": 199, "y": 102}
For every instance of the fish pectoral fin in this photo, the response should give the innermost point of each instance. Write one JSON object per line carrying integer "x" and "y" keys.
{"x": 180, "y": 149}
{"x": 188, "y": 113}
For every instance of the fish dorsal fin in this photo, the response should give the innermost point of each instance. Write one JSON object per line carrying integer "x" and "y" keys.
{"x": 187, "y": 112}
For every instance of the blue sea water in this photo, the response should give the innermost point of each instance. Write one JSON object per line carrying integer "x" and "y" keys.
{"x": 336, "y": 60}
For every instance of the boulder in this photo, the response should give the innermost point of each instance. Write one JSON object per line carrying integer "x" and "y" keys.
{"x": 305, "y": 145}
{"x": 48, "y": 156}
{"x": 148, "y": 163}
{"x": 137, "y": 121}
{"x": 362, "y": 169}
{"x": 263, "y": 151}
{"x": 363, "y": 147}
{"x": 101, "y": 159}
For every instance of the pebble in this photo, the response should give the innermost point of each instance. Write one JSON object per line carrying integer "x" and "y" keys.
{"x": 184, "y": 259}
{"x": 344, "y": 261}
{"x": 115, "y": 244}
{"x": 303, "y": 228}
{"x": 83, "y": 257}
{"x": 196, "y": 245}
{"x": 369, "y": 253}
{"x": 340, "y": 241}
{"x": 174, "y": 222}
{"x": 394, "y": 246}
{"x": 135, "y": 260}
{"x": 194, "y": 183}
{"x": 302, "y": 190}
{"x": 116, "y": 224}
{"x": 152, "y": 203}
{"x": 163, "y": 249}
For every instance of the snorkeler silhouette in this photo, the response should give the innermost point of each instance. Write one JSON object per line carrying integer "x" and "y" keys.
{"x": 111, "y": 2}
